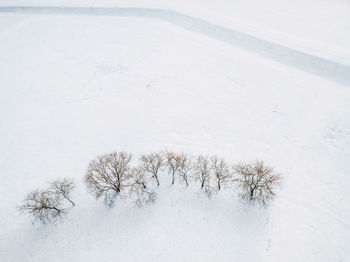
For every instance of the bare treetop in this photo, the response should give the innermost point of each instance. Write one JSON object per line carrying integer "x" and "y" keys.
{"x": 152, "y": 163}
{"x": 145, "y": 195}
{"x": 42, "y": 206}
{"x": 259, "y": 182}
{"x": 220, "y": 170}
{"x": 62, "y": 188}
{"x": 109, "y": 175}
{"x": 173, "y": 162}
{"x": 202, "y": 170}
{"x": 185, "y": 167}
{"x": 49, "y": 204}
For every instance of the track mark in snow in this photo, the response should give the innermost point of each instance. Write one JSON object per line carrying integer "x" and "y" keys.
{"x": 336, "y": 137}
{"x": 309, "y": 63}
{"x": 151, "y": 85}
{"x": 106, "y": 69}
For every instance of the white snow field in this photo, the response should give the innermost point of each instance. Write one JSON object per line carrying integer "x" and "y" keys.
{"x": 76, "y": 83}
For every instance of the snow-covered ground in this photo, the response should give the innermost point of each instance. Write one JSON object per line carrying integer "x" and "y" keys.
{"x": 319, "y": 27}
{"x": 75, "y": 86}
{"x": 307, "y": 62}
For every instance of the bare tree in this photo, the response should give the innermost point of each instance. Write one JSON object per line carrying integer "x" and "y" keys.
{"x": 109, "y": 175}
{"x": 144, "y": 194}
{"x": 173, "y": 163}
{"x": 220, "y": 170}
{"x": 202, "y": 170}
{"x": 258, "y": 182}
{"x": 152, "y": 163}
{"x": 140, "y": 179}
{"x": 42, "y": 206}
{"x": 62, "y": 188}
{"x": 185, "y": 167}
{"x": 50, "y": 204}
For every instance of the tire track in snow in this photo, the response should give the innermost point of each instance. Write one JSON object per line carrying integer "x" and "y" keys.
{"x": 315, "y": 65}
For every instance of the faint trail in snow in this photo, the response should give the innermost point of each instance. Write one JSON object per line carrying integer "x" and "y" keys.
{"x": 309, "y": 63}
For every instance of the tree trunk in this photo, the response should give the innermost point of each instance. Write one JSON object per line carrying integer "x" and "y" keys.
{"x": 157, "y": 180}
{"x": 173, "y": 179}
{"x": 251, "y": 197}
{"x": 54, "y": 208}
{"x": 70, "y": 201}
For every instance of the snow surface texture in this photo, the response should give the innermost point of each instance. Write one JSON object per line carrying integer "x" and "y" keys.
{"x": 307, "y": 62}
{"x": 318, "y": 27}
{"x": 73, "y": 87}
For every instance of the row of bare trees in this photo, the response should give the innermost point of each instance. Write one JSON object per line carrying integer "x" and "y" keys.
{"x": 115, "y": 174}
{"x": 112, "y": 174}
